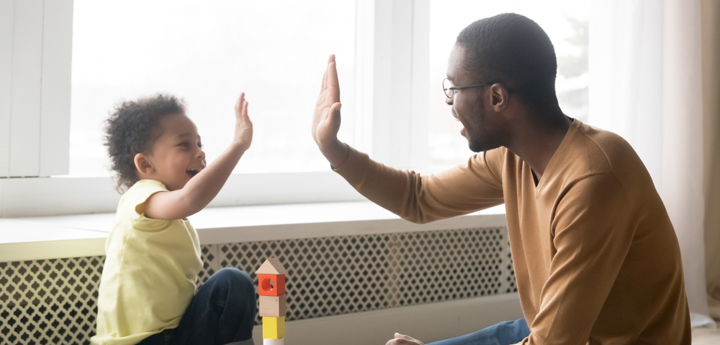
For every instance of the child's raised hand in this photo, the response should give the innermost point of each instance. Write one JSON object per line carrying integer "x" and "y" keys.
{"x": 243, "y": 125}
{"x": 203, "y": 187}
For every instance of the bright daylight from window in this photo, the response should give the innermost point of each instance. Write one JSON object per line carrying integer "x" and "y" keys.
{"x": 275, "y": 51}
{"x": 207, "y": 52}
{"x": 565, "y": 21}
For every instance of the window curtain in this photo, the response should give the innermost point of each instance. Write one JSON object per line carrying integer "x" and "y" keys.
{"x": 646, "y": 84}
{"x": 711, "y": 110}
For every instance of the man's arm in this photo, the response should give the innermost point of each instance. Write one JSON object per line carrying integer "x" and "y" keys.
{"x": 460, "y": 190}
{"x": 593, "y": 230}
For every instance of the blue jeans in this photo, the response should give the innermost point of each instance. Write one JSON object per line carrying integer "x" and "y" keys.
{"x": 221, "y": 312}
{"x": 504, "y": 333}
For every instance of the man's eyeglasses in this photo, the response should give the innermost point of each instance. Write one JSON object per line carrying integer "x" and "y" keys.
{"x": 450, "y": 89}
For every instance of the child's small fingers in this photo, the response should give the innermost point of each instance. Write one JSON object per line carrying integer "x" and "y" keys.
{"x": 239, "y": 103}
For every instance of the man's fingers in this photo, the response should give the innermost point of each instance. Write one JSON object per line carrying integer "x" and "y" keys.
{"x": 401, "y": 339}
{"x": 324, "y": 82}
{"x": 332, "y": 81}
{"x": 402, "y": 336}
{"x": 398, "y": 341}
{"x": 334, "y": 112}
{"x": 335, "y": 107}
{"x": 245, "y": 111}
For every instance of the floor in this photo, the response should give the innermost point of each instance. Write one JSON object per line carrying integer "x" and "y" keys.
{"x": 706, "y": 336}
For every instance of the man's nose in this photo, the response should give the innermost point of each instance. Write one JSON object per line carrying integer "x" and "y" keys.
{"x": 449, "y": 100}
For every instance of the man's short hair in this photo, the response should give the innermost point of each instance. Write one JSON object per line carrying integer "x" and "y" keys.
{"x": 512, "y": 50}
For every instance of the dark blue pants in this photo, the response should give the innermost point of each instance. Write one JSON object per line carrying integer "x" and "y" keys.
{"x": 504, "y": 333}
{"x": 221, "y": 312}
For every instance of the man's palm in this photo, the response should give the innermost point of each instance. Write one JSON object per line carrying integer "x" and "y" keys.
{"x": 326, "y": 120}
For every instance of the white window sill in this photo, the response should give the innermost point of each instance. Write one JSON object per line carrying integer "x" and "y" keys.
{"x": 38, "y": 238}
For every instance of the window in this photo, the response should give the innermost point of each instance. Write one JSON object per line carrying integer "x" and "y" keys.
{"x": 207, "y": 53}
{"x": 392, "y": 57}
{"x": 565, "y": 21}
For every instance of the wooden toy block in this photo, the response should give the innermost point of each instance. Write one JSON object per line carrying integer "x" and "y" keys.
{"x": 271, "y": 284}
{"x": 280, "y": 341}
{"x": 273, "y": 306}
{"x": 273, "y": 327}
{"x": 271, "y": 266}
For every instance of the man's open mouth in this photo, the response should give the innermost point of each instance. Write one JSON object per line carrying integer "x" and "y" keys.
{"x": 192, "y": 172}
{"x": 454, "y": 115}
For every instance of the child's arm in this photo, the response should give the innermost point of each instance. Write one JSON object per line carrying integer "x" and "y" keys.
{"x": 202, "y": 188}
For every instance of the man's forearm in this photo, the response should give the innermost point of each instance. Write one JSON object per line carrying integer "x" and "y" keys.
{"x": 336, "y": 153}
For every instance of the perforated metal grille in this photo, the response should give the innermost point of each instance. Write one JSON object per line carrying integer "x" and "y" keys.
{"x": 511, "y": 283}
{"x": 210, "y": 262}
{"x": 49, "y": 301}
{"x": 438, "y": 266}
{"x": 54, "y": 301}
{"x": 326, "y": 276}
{"x": 339, "y": 275}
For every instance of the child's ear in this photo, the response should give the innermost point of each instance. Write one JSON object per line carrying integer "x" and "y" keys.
{"x": 142, "y": 164}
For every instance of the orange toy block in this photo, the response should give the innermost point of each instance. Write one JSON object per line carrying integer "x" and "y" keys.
{"x": 271, "y": 284}
{"x": 274, "y": 306}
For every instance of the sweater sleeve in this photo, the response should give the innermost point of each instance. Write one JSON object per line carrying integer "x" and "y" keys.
{"x": 592, "y": 229}
{"x": 421, "y": 199}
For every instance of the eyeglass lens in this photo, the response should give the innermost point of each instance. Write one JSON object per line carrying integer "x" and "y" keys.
{"x": 447, "y": 84}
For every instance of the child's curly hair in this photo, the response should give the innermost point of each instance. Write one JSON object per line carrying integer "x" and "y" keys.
{"x": 132, "y": 129}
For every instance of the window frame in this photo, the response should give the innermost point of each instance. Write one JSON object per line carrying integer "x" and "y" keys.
{"x": 391, "y": 76}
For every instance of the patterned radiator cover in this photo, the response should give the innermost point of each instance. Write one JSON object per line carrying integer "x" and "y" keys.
{"x": 55, "y": 301}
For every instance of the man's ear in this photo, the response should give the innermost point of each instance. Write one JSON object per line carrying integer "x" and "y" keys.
{"x": 499, "y": 97}
{"x": 142, "y": 164}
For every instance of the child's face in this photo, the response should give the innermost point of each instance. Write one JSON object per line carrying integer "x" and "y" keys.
{"x": 176, "y": 155}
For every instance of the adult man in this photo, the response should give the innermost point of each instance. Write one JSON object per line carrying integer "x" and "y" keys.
{"x": 596, "y": 258}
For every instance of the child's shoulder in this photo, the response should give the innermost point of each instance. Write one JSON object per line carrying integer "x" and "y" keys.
{"x": 137, "y": 195}
{"x": 146, "y": 185}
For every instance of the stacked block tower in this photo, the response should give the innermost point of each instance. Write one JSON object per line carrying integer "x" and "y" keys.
{"x": 273, "y": 301}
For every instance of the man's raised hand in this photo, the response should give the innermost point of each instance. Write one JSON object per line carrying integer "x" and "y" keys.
{"x": 326, "y": 120}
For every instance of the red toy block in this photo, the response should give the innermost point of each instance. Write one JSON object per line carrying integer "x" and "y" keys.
{"x": 271, "y": 284}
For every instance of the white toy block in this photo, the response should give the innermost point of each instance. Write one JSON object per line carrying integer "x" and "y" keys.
{"x": 280, "y": 341}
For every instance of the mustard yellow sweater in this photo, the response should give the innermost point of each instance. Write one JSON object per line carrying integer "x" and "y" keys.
{"x": 596, "y": 257}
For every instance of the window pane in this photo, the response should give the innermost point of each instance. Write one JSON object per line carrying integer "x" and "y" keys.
{"x": 207, "y": 52}
{"x": 565, "y": 21}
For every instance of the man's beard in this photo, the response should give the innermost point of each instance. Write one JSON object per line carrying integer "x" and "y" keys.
{"x": 488, "y": 139}
{"x": 481, "y": 144}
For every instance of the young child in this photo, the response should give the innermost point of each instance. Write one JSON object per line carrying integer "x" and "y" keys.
{"x": 147, "y": 291}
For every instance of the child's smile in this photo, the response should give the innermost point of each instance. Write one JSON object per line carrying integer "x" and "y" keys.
{"x": 177, "y": 155}
{"x": 192, "y": 172}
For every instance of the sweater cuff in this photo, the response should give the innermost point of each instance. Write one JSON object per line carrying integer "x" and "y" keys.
{"x": 354, "y": 167}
